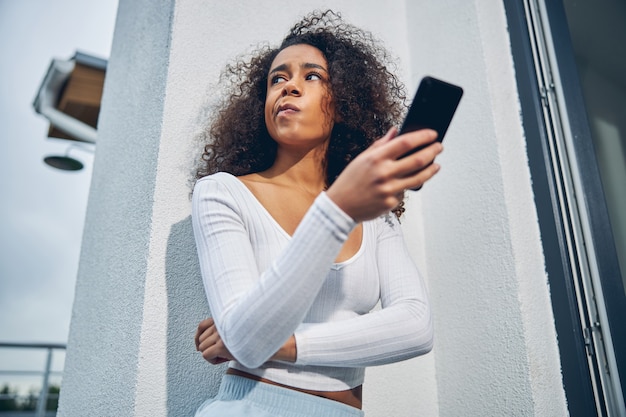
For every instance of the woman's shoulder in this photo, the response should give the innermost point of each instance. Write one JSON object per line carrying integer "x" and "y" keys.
{"x": 218, "y": 178}
{"x": 229, "y": 179}
{"x": 219, "y": 185}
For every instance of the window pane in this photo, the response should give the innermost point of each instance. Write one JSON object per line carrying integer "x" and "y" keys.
{"x": 598, "y": 36}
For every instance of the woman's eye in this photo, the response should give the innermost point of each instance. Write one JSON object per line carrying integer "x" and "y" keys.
{"x": 313, "y": 77}
{"x": 278, "y": 79}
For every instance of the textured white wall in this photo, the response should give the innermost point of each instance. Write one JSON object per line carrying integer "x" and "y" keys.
{"x": 473, "y": 230}
{"x": 495, "y": 348}
{"x": 108, "y": 311}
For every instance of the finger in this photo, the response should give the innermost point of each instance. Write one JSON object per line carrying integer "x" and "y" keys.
{"x": 419, "y": 160}
{"x": 205, "y": 324}
{"x": 407, "y": 142}
{"x": 209, "y": 338}
{"x": 417, "y": 181}
{"x": 216, "y": 353}
{"x": 210, "y": 335}
{"x": 202, "y": 326}
{"x": 391, "y": 133}
{"x": 211, "y": 355}
{"x": 218, "y": 361}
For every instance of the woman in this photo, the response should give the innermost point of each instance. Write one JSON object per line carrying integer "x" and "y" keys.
{"x": 292, "y": 221}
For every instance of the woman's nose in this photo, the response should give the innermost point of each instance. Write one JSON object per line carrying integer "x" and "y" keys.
{"x": 291, "y": 88}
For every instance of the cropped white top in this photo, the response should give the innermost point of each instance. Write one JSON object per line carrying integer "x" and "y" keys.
{"x": 264, "y": 285}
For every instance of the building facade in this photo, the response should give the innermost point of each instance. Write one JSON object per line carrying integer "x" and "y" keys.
{"x": 518, "y": 236}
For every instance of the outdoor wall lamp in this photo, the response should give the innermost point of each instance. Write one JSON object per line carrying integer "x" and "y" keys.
{"x": 66, "y": 162}
{"x": 69, "y": 97}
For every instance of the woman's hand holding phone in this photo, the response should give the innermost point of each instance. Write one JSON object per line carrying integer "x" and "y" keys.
{"x": 374, "y": 182}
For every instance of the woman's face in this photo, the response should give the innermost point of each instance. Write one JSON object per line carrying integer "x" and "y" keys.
{"x": 298, "y": 105}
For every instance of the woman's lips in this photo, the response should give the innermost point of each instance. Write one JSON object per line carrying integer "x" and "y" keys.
{"x": 287, "y": 109}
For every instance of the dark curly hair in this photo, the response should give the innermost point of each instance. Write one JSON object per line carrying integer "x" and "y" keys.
{"x": 368, "y": 99}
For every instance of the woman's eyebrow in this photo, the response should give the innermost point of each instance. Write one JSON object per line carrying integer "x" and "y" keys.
{"x": 285, "y": 67}
{"x": 282, "y": 67}
{"x": 311, "y": 65}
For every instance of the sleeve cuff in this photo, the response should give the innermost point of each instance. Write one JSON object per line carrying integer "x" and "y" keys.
{"x": 301, "y": 345}
{"x": 334, "y": 213}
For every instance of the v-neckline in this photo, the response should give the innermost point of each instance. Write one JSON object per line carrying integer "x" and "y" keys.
{"x": 263, "y": 208}
{"x": 336, "y": 265}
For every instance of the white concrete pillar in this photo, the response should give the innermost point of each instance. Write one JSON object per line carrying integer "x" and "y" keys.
{"x": 138, "y": 293}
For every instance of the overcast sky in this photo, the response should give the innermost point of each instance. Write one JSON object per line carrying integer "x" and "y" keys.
{"x": 41, "y": 209}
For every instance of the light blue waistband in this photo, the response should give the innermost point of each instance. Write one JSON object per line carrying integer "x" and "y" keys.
{"x": 280, "y": 401}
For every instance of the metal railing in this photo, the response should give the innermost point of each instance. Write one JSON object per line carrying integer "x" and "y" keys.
{"x": 46, "y": 373}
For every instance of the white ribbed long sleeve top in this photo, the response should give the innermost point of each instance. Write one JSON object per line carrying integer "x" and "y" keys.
{"x": 264, "y": 285}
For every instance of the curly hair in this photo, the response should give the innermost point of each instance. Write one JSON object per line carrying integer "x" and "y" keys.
{"x": 368, "y": 99}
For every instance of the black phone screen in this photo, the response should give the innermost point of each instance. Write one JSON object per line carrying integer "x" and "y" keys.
{"x": 433, "y": 106}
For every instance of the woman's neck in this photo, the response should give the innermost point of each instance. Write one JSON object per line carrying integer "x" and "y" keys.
{"x": 306, "y": 171}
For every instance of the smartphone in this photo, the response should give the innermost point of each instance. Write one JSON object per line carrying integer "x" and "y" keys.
{"x": 433, "y": 106}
